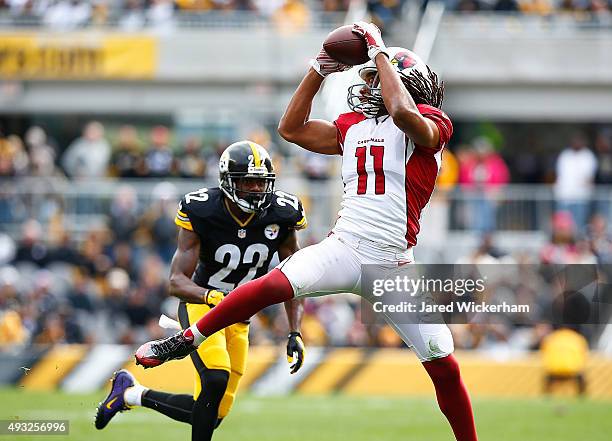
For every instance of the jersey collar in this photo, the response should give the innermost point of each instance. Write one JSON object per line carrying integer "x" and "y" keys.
{"x": 238, "y": 221}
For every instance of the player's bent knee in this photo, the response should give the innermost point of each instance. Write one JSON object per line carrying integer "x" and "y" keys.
{"x": 214, "y": 384}
{"x": 444, "y": 343}
{"x": 435, "y": 342}
{"x": 230, "y": 393}
{"x": 239, "y": 364}
{"x": 237, "y": 373}
{"x": 226, "y": 404}
{"x": 274, "y": 281}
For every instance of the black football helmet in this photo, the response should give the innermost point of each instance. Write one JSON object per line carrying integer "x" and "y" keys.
{"x": 246, "y": 160}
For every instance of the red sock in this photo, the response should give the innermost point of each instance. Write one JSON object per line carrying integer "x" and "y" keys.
{"x": 245, "y": 301}
{"x": 453, "y": 397}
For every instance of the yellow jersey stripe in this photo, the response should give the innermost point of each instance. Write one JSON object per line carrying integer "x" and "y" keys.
{"x": 184, "y": 224}
{"x": 182, "y": 214}
{"x": 183, "y": 218}
{"x": 256, "y": 157}
{"x": 303, "y": 223}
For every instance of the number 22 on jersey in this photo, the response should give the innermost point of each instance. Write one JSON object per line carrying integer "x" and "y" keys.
{"x": 231, "y": 250}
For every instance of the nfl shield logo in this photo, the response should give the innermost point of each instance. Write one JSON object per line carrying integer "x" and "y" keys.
{"x": 241, "y": 233}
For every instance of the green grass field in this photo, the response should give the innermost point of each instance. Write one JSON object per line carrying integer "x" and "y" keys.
{"x": 333, "y": 418}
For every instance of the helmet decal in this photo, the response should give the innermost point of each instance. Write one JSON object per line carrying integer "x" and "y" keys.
{"x": 416, "y": 76}
{"x": 403, "y": 60}
{"x": 224, "y": 162}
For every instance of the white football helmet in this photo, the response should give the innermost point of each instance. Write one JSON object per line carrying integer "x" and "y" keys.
{"x": 369, "y": 102}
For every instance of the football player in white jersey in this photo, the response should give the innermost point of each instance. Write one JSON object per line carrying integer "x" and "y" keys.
{"x": 391, "y": 146}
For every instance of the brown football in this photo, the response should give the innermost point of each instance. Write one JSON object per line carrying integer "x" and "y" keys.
{"x": 346, "y": 47}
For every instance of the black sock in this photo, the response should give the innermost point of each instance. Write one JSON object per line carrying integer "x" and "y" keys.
{"x": 206, "y": 407}
{"x": 178, "y": 407}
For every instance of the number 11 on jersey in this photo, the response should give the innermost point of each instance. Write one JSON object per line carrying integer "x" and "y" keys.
{"x": 377, "y": 152}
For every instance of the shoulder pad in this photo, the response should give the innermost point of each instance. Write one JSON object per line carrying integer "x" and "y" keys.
{"x": 290, "y": 209}
{"x": 199, "y": 203}
{"x": 343, "y": 123}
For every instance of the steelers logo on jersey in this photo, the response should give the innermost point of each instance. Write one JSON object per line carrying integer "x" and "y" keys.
{"x": 271, "y": 231}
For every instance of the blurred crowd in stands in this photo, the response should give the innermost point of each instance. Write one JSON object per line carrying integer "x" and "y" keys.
{"x": 112, "y": 287}
{"x": 156, "y": 14}
{"x": 287, "y": 14}
{"x": 475, "y": 174}
{"x": 109, "y": 282}
{"x": 164, "y": 15}
{"x": 92, "y": 156}
{"x": 157, "y": 151}
{"x": 577, "y": 8}
{"x": 575, "y": 172}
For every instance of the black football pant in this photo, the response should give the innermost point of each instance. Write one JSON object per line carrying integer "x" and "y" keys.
{"x": 200, "y": 413}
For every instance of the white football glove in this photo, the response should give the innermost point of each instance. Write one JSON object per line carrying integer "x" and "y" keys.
{"x": 372, "y": 37}
{"x": 325, "y": 65}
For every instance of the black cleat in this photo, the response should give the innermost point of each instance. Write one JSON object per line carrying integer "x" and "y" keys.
{"x": 156, "y": 352}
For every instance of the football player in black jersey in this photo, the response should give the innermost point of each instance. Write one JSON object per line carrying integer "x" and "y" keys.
{"x": 228, "y": 236}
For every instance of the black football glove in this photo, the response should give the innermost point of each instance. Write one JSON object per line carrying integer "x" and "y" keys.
{"x": 296, "y": 351}
{"x": 213, "y": 297}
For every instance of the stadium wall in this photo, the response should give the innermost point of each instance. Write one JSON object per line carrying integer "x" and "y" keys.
{"x": 352, "y": 371}
{"x": 561, "y": 70}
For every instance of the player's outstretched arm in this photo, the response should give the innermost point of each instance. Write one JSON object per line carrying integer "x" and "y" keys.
{"x": 398, "y": 102}
{"x": 182, "y": 267}
{"x": 296, "y": 350}
{"x": 295, "y": 307}
{"x": 402, "y": 108}
{"x": 316, "y": 135}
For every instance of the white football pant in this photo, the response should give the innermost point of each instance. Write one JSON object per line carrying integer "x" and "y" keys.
{"x": 334, "y": 266}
